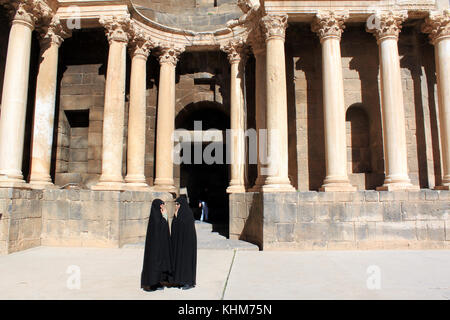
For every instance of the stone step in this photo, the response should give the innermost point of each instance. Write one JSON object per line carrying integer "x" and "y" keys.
{"x": 207, "y": 239}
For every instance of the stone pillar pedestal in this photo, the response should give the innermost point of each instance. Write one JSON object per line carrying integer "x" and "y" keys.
{"x": 277, "y": 179}
{"x": 394, "y": 129}
{"x": 114, "y": 109}
{"x": 438, "y": 26}
{"x": 329, "y": 27}
{"x": 166, "y": 121}
{"x": 14, "y": 98}
{"x": 135, "y": 179}
{"x": 237, "y": 56}
{"x": 44, "y": 111}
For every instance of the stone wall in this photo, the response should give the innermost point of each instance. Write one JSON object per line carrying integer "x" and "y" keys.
{"x": 64, "y": 217}
{"x": 354, "y": 220}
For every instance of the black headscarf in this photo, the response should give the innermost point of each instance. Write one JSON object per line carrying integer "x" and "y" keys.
{"x": 184, "y": 245}
{"x": 157, "y": 253}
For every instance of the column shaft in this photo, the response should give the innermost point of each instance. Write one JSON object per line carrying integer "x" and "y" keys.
{"x": 164, "y": 129}
{"x": 442, "y": 56}
{"x": 237, "y": 125}
{"x": 14, "y": 103}
{"x": 136, "y": 123}
{"x": 393, "y": 117}
{"x": 277, "y": 179}
{"x": 334, "y": 118}
{"x": 44, "y": 115}
{"x": 113, "y": 119}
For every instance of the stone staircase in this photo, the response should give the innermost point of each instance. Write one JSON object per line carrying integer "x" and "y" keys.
{"x": 207, "y": 239}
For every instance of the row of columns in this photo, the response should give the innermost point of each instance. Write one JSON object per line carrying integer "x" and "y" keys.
{"x": 271, "y": 100}
{"x": 329, "y": 27}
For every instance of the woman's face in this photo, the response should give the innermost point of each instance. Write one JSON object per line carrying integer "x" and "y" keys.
{"x": 163, "y": 207}
{"x": 177, "y": 206}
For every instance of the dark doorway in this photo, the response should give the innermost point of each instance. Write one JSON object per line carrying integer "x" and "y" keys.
{"x": 200, "y": 180}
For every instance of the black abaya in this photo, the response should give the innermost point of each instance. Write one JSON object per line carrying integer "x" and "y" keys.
{"x": 184, "y": 245}
{"x": 157, "y": 254}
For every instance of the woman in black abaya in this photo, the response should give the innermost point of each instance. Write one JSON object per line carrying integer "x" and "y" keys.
{"x": 157, "y": 253}
{"x": 184, "y": 245}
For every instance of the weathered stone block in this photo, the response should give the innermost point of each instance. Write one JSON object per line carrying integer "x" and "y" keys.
{"x": 307, "y": 196}
{"x": 271, "y": 212}
{"x": 393, "y": 231}
{"x": 342, "y": 231}
{"x": 285, "y": 232}
{"x": 392, "y": 211}
{"x": 288, "y": 213}
{"x": 312, "y": 231}
{"x": 75, "y": 210}
{"x": 386, "y": 195}
{"x": 305, "y": 212}
{"x": 431, "y": 195}
{"x": 430, "y": 230}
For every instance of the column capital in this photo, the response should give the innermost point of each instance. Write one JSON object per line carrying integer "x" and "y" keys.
{"x": 235, "y": 49}
{"x": 387, "y": 24}
{"x": 257, "y": 41}
{"x": 274, "y": 26}
{"x": 140, "y": 43}
{"x": 117, "y": 27}
{"x": 53, "y": 33}
{"x": 29, "y": 12}
{"x": 170, "y": 54}
{"x": 437, "y": 25}
{"x": 329, "y": 24}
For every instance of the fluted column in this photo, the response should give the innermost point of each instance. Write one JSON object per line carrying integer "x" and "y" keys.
{"x": 329, "y": 27}
{"x": 259, "y": 50}
{"x": 165, "y": 124}
{"x": 438, "y": 26}
{"x": 114, "y": 108}
{"x": 277, "y": 179}
{"x": 237, "y": 52}
{"x": 139, "y": 51}
{"x": 15, "y": 94}
{"x": 44, "y": 110}
{"x": 393, "y": 114}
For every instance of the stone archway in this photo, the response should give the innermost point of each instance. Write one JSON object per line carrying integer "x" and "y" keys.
{"x": 201, "y": 180}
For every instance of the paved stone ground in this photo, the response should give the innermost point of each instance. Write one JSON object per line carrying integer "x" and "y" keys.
{"x": 40, "y": 273}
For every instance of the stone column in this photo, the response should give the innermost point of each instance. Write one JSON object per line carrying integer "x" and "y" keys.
{"x": 259, "y": 50}
{"x": 277, "y": 180}
{"x": 236, "y": 52}
{"x": 44, "y": 110}
{"x": 329, "y": 27}
{"x": 139, "y": 51}
{"x": 438, "y": 26}
{"x": 114, "y": 108}
{"x": 393, "y": 114}
{"x": 165, "y": 122}
{"x": 15, "y": 94}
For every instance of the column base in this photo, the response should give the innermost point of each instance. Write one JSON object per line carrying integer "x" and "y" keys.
{"x": 40, "y": 185}
{"x": 236, "y": 189}
{"x": 6, "y": 182}
{"x": 164, "y": 188}
{"x": 277, "y": 187}
{"x": 108, "y": 186}
{"x": 337, "y": 187}
{"x": 135, "y": 186}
